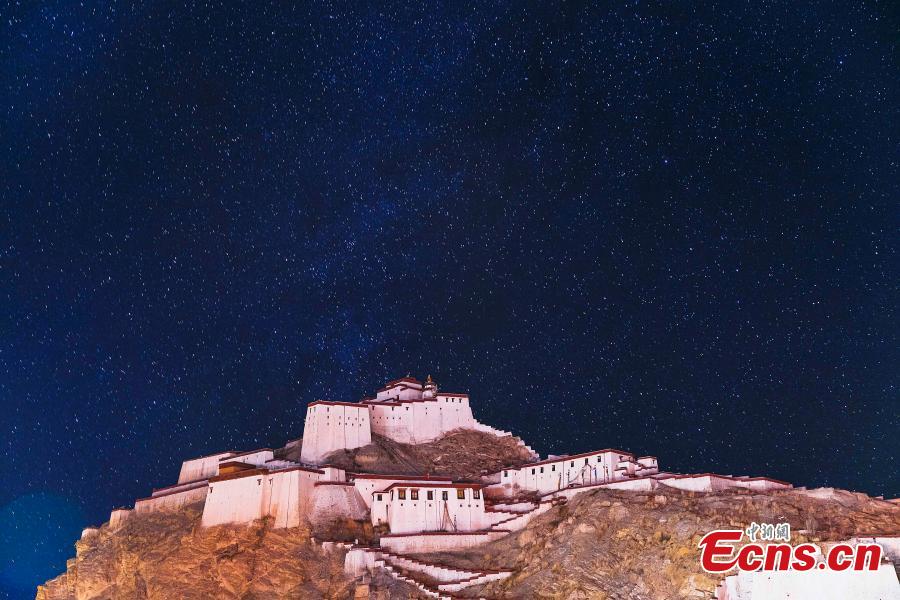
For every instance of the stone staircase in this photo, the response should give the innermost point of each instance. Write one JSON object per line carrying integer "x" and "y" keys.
{"x": 514, "y": 520}
{"x": 431, "y": 579}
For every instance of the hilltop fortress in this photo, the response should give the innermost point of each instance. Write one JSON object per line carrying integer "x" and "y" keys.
{"x": 416, "y": 511}
{"x": 404, "y": 410}
{"x": 318, "y": 481}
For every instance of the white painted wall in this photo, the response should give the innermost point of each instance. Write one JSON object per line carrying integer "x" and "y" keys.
{"x": 421, "y": 421}
{"x": 437, "y": 542}
{"x": 331, "y": 426}
{"x": 201, "y": 468}
{"x": 284, "y": 495}
{"x": 410, "y": 515}
{"x": 171, "y": 501}
{"x": 548, "y": 476}
{"x": 258, "y": 458}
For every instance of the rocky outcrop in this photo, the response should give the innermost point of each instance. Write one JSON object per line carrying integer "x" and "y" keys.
{"x": 461, "y": 454}
{"x": 167, "y": 555}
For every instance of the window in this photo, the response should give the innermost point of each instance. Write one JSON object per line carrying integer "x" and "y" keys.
{"x": 585, "y": 461}
{"x": 573, "y": 464}
{"x": 413, "y": 494}
{"x": 476, "y": 494}
{"x": 401, "y": 494}
{"x": 444, "y": 495}
{"x": 552, "y": 467}
{"x": 430, "y": 495}
{"x": 506, "y": 473}
{"x": 542, "y": 469}
{"x": 378, "y": 497}
{"x": 460, "y": 493}
{"x": 532, "y": 471}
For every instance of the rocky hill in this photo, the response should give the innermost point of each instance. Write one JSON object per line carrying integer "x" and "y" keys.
{"x": 602, "y": 544}
{"x": 167, "y": 555}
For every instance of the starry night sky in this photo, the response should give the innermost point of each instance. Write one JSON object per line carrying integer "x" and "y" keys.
{"x": 667, "y": 229}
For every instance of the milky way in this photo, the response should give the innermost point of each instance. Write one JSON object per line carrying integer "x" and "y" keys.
{"x": 666, "y": 229}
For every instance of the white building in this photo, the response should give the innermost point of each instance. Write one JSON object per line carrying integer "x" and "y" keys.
{"x": 405, "y": 410}
{"x": 241, "y": 487}
{"x": 599, "y": 466}
{"x": 410, "y": 507}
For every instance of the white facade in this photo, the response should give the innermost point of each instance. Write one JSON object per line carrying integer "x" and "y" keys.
{"x": 251, "y": 494}
{"x": 172, "y": 498}
{"x": 367, "y": 484}
{"x": 201, "y": 468}
{"x": 711, "y": 482}
{"x": 331, "y": 426}
{"x": 417, "y": 421}
{"x": 600, "y": 466}
{"x": 416, "y": 507}
{"x": 405, "y": 410}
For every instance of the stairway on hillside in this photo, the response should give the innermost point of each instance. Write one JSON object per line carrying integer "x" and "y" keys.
{"x": 432, "y": 579}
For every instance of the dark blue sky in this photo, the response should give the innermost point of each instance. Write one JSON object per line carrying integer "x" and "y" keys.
{"x": 667, "y": 229}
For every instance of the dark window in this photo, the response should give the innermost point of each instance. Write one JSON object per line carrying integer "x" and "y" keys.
{"x": 444, "y": 495}
{"x": 553, "y": 467}
{"x": 532, "y": 471}
{"x": 401, "y": 494}
{"x": 585, "y": 461}
{"x": 542, "y": 469}
{"x": 430, "y": 495}
{"x": 378, "y": 497}
{"x": 506, "y": 473}
{"x": 460, "y": 493}
{"x": 573, "y": 464}
{"x": 476, "y": 494}
{"x": 413, "y": 494}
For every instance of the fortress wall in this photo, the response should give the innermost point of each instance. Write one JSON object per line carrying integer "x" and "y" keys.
{"x": 172, "y": 489}
{"x": 437, "y": 542}
{"x": 710, "y": 482}
{"x": 334, "y": 426}
{"x": 699, "y": 483}
{"x": 236, "y": 500}
{"x": 284, "y": 495}
{"x": 118, "y": 517}
{"x": 550, "y": 475}
{"x": 254, "y": 457}
{"x": 421, "y": 421}
{"x": 766, "y": 485}
{"x": 171, "y": 501}
{"x": 201, "y": 468}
